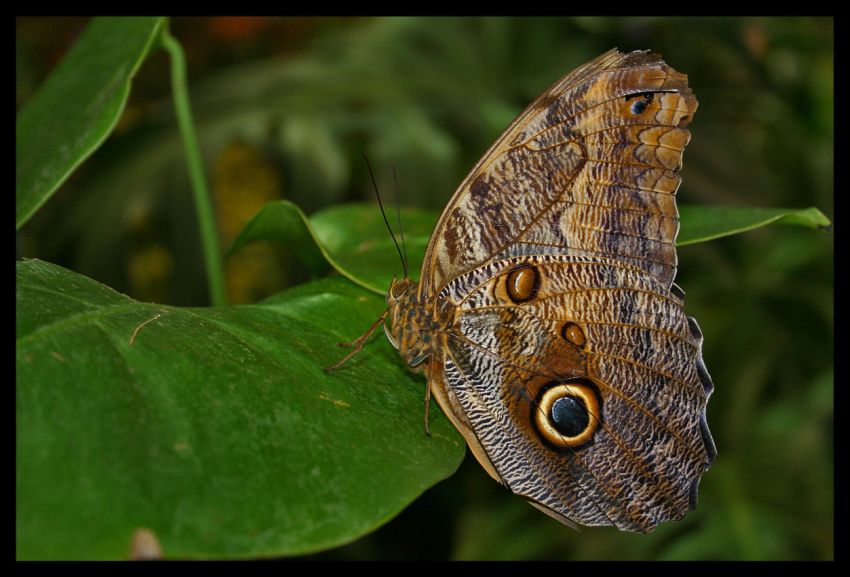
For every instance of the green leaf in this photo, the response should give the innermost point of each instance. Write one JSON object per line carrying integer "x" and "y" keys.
{"x": 356, "y": 236}
{"x": 77, "y": 107}
{"x": 284, "y": 222}
{"x": 216, "y": 429}
{"x": 703, "y": 223}
{"x": 351, "y": 238}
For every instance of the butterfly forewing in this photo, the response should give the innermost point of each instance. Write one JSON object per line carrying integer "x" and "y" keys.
{"x": 587, "y": 169}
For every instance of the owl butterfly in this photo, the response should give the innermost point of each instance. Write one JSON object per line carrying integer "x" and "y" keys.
{"x": 546, "y": 318}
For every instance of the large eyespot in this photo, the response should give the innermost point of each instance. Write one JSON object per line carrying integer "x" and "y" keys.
{"x": 567, "y": 414}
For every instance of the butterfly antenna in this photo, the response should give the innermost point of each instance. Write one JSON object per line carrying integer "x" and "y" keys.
{"x": 384, "y": 214}
{"x": 398, "y": 221}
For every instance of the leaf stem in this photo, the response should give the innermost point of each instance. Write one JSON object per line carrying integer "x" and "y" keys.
{"x": 200, "y": 191}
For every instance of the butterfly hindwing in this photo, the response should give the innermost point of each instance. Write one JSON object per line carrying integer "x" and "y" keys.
{"x": 606, "y": 333}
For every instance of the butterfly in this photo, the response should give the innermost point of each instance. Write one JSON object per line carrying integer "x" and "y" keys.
{"x": 546, "y": 318}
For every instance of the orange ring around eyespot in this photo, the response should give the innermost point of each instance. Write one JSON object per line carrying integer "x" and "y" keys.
{"x": 542, "y": 415}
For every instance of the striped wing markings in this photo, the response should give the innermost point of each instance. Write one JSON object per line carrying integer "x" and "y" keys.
{"x": 543, "y": 478}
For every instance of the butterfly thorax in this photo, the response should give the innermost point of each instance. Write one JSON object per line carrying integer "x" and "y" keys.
{"x": 415, "y": 324}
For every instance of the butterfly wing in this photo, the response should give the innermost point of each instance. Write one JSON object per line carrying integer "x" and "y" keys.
{"x": 603, "y": 332}
{"x": 589, "y": 168}
{"x": 557, "y": 254}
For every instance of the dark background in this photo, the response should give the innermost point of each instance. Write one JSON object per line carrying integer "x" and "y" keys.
{"x": 285, "y": 108}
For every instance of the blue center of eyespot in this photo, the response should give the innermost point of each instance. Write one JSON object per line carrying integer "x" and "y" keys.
{"x": 569, "y": 416}
{"x": 638, "y": 106}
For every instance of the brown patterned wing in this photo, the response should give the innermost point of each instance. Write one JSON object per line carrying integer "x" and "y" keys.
{"x": 558, "y": 344}
{"x": 607, "y": 340}
{"x": 590, "y": 168}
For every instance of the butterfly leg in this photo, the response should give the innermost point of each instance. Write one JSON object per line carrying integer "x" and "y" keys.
{"x": 427, "y": 407}
{"x": 357, "y": 344}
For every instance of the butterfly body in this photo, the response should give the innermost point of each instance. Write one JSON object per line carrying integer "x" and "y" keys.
{"x": 546, "y": 318}
{"x": 416, "y": 328}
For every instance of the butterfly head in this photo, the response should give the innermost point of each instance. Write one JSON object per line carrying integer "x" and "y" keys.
{"x": 399, "y": 289}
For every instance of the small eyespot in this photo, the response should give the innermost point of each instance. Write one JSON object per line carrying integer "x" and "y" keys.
{"x": 573, "y": 334}
{"x": 522, "y": 283}
{"x": 641, "y": 101}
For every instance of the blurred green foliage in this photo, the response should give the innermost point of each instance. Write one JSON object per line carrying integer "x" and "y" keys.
{"x": 428, "y": 96}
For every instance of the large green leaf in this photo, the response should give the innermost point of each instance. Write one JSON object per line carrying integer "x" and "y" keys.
{"x": 77, "y": 107}
{"x": 704, "y": 223}
{"x": 216, "y": 429}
